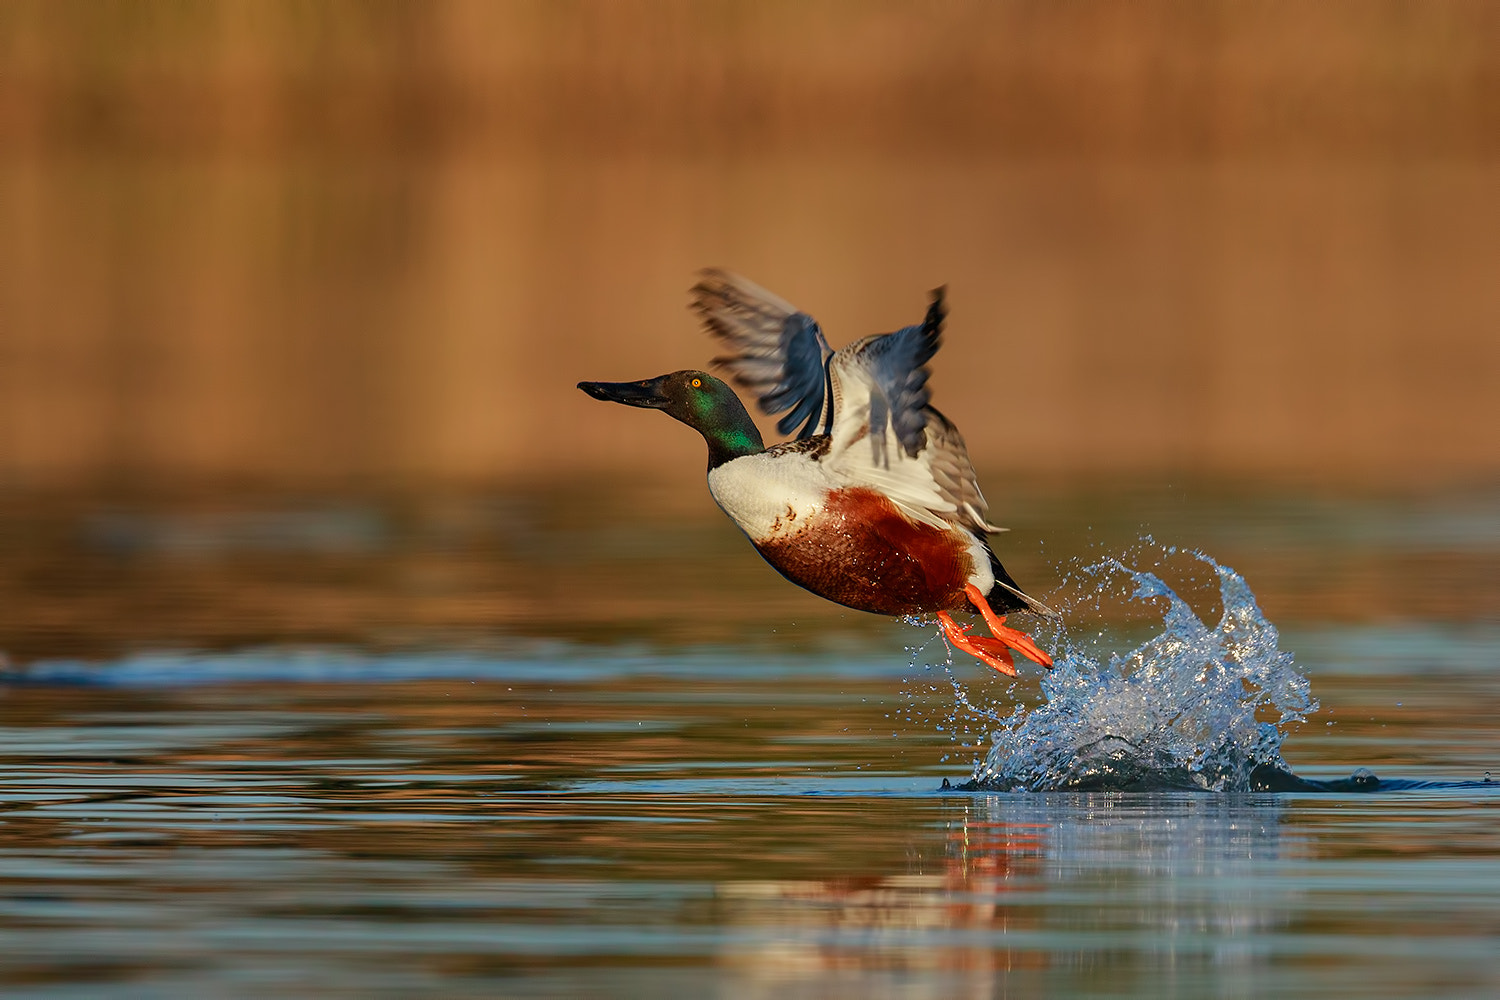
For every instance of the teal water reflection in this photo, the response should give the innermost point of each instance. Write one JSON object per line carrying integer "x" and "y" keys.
{"x": 391, "y": 746}
{"x": 101, "y": 577}
{"x": 465, "y": 825}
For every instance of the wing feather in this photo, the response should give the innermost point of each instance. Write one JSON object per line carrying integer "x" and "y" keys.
{"x": 875, "y": 388}
{"x": 776, "y": 351}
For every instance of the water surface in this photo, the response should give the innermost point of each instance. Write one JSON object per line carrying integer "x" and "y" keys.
{"x": 739, "y": 796}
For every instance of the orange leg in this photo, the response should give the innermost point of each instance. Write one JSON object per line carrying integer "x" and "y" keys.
{"x": 993, "y": 651}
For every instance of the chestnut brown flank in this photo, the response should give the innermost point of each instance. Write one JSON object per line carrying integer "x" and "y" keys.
{"x": 861, "y": 552}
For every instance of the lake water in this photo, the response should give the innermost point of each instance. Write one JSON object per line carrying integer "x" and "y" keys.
{"x": 368, "y": 747}
{"x": 409, "y": 737}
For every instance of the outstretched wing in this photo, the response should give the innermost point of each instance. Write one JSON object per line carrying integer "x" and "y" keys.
{"x": 879, "y": 389}
{"x": 776, "y": 351}
{"x": 885, "y": 376}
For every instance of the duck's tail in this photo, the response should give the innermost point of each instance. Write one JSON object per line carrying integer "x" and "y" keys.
{"x": 1006, "y": 595}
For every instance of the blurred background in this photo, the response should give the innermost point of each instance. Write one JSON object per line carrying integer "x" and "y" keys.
{"x": 294, "y": 295}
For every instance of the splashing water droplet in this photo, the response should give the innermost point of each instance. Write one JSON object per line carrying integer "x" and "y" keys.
{"x": 1178, "y": 711}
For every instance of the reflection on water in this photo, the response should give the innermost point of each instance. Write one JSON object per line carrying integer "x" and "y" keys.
{"x": 1018, "y": 876}
{"x": 485, "y": 743}
{"x": 671, "y": 823}
{"x": 100, "y": 575}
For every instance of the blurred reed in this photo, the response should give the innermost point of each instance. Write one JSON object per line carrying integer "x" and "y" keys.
{"x": 297, "y": 243}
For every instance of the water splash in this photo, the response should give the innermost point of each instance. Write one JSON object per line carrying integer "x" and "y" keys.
{"x": 1192, "y": 707}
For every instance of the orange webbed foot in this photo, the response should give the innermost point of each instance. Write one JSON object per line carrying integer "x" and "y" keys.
{"x": 991, "y": 651}
{"x": 1014, "y": 638}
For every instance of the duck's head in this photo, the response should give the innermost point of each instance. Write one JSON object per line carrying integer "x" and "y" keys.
{"x": 699, "y": 400}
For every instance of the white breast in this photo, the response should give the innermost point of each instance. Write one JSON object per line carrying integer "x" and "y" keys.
{"x": 768, "y": 494}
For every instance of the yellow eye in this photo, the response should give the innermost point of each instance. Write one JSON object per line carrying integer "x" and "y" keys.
{"x": 697, "y": 383}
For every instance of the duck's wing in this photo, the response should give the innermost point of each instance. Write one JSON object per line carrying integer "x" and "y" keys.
{"x": 776, "y": 351}
{"x": 948, "y": 459}
{"x": 886, "y": 435}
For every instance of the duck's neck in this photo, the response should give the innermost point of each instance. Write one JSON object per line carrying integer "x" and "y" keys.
{"x": 730, "y": 434}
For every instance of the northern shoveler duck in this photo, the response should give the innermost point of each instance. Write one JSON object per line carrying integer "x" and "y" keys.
{"x": 874, "y": 505}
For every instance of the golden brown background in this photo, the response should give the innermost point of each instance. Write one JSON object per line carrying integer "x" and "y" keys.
{"x": 294, "y": 296}
{"x": 294, "y": 242}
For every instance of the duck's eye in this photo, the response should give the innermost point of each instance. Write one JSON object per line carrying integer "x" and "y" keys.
{"x": 697, "y": 383}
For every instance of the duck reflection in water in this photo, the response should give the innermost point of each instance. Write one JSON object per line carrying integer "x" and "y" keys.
{"x": 1009, "y": 865}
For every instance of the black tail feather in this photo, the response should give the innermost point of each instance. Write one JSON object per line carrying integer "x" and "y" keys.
{"x": 1006, "y": 595}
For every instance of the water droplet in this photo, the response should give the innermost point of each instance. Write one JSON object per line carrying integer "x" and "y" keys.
{"x": 1102, "y": 715}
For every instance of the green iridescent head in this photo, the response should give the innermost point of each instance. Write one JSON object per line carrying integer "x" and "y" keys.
{"x": 699, "y": 400}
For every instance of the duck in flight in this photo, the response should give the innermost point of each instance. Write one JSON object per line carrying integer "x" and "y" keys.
{"x": 873, "y": 504}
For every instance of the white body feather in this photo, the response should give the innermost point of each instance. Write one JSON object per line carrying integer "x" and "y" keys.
{"x": 774, "y": 495}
